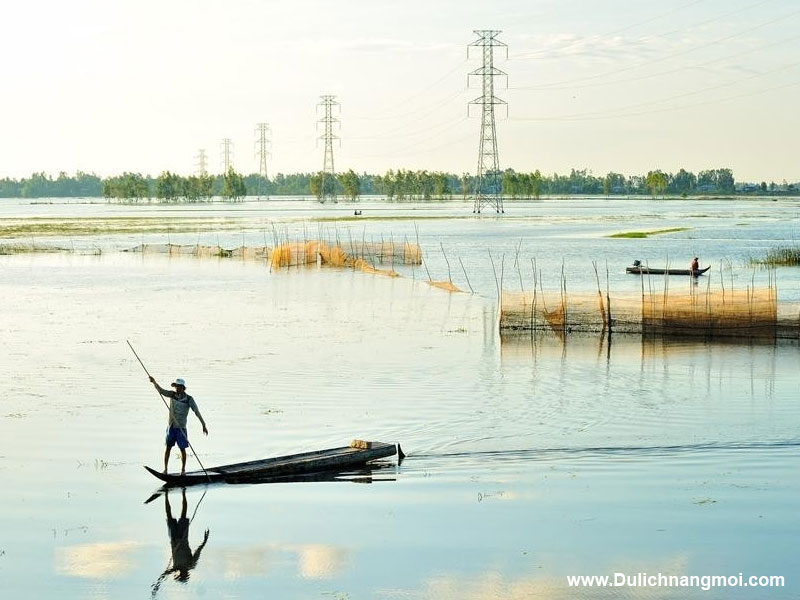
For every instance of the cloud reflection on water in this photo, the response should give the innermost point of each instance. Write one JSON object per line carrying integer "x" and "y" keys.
{"x": 314, "y": 561}
{"x": 101, "y": 560}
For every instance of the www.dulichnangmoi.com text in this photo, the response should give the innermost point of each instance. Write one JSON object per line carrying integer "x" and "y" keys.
{"x": 704, "y": 582}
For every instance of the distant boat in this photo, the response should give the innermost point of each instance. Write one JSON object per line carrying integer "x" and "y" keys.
{"x": 356, "y": 454}
{"x": 640, "y": 270}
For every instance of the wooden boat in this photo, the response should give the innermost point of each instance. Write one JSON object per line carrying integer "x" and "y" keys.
{"x": 334, "y": 459}
{"x": 651, "y": 271}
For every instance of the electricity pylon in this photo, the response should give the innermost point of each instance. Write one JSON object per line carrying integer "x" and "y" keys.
{"x": 202, "y": 162}
{"x": 328, "y": 183}
{"x": 262, "y": 143}
{"x": 487, "y": 190}
{"x": 227, "y": 154}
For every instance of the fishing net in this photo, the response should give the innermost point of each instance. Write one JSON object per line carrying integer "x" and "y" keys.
{"x": 750, "y": 312}
{"x": 561, "y": 313}
{"x": 328, "y": 255}
{"x": 362, "y": 256}
{"x": 292, "y": 254}
{"x": 200, "y": 251}
{"x": 384, "y": 252}
{"x": 712, "y": 313}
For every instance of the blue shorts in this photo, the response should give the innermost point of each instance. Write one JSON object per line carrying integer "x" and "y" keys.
{"x": 176, "y": 435}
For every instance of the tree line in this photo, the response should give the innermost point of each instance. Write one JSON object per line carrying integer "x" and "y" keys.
{"x": 398, "y": 185}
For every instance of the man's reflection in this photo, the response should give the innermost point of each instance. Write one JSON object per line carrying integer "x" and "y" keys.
{"x": 183, "y": 560}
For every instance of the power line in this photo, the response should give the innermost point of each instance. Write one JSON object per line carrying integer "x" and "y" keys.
{"x": 434, "y": 134}
{"x": 415, "y": 95}
{"x": 746, "y": 31}
{"x": 598, "y": 116}
{"x": 537, "y": 53}
{"x": 680, "y": 69}
{"x": 403, "y": 130}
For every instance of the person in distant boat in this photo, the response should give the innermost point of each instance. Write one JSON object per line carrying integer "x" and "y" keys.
{"x": 694, "y": 267}
{"x": 179, "y": 405}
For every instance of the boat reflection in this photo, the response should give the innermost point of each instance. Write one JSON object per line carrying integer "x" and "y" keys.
{"x": 183, "y": 559}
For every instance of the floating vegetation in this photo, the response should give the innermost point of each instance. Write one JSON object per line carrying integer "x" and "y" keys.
{"x": 29, "y": 248}
{"x": 702, "y": 501}
{"x": 447, "y": 286}
{"x": 782, "y": 256}
{"x": 644, "y": 234}
{"x": 26, "y": 228}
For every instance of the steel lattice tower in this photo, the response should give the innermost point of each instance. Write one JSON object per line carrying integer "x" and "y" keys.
{"x": 202, "y": 163}
{"x": 487, "y": 183}
{"x": 328, "y": 182}
{"x": 227, "y": 154}
{"x": 262, "y": 144}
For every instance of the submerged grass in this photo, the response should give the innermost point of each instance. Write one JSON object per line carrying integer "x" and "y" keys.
{"x": 644, "y": 234}
{"x": 782, "y": 256}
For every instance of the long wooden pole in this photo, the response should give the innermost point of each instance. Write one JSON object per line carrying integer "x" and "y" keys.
{"x": 169, "y": 409}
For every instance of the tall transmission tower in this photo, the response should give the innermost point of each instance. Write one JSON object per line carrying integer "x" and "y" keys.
{"x": 328, "y": 182}
{"x": 227, "y": 154}
{"x": 262, "y": 145}
{"x": 487, "y": 183}
{"x": 201, "y": 162}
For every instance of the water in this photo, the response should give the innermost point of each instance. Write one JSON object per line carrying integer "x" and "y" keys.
{"x": 526, "y": 462}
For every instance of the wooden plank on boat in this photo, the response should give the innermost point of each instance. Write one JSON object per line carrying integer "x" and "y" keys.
{"x": 294, "y": 464}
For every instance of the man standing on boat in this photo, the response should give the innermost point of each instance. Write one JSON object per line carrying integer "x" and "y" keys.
{"x": 179, "y": 405}
{"x": 694, "y": 267}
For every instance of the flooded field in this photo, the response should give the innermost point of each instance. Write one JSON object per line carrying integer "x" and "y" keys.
{"x": 528, "y": 461}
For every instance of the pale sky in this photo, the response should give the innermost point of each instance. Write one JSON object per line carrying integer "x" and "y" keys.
{"x": 625, "y": 85}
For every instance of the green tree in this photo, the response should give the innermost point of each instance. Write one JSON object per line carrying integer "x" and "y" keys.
{"x": 315, "y": 186}
{"x": 233, "y": 187}
{"x": 656, "y": 182}
{"x": 509, "y": 184}
{"x": 351, "y": 184}
{"x": 441, "y": 185}
{"x": 537, "y": 184}
{"x": 683, "y": 182}
{"x": 725, "y": 181}
{"x": 169, "y": 186}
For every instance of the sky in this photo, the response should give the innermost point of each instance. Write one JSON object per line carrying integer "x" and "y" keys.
{"x": 605, "y": 85}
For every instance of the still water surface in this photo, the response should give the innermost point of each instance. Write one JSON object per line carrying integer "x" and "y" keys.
{"x": 526, "y": 462}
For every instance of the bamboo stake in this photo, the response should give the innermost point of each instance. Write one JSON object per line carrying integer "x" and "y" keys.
{"x": 608, "y": 306}
{"x": 465, "y": 275}
{"x": 447, "y": 262}
{"x": 599, "y": 294}
{"x": 496, "y": 283}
